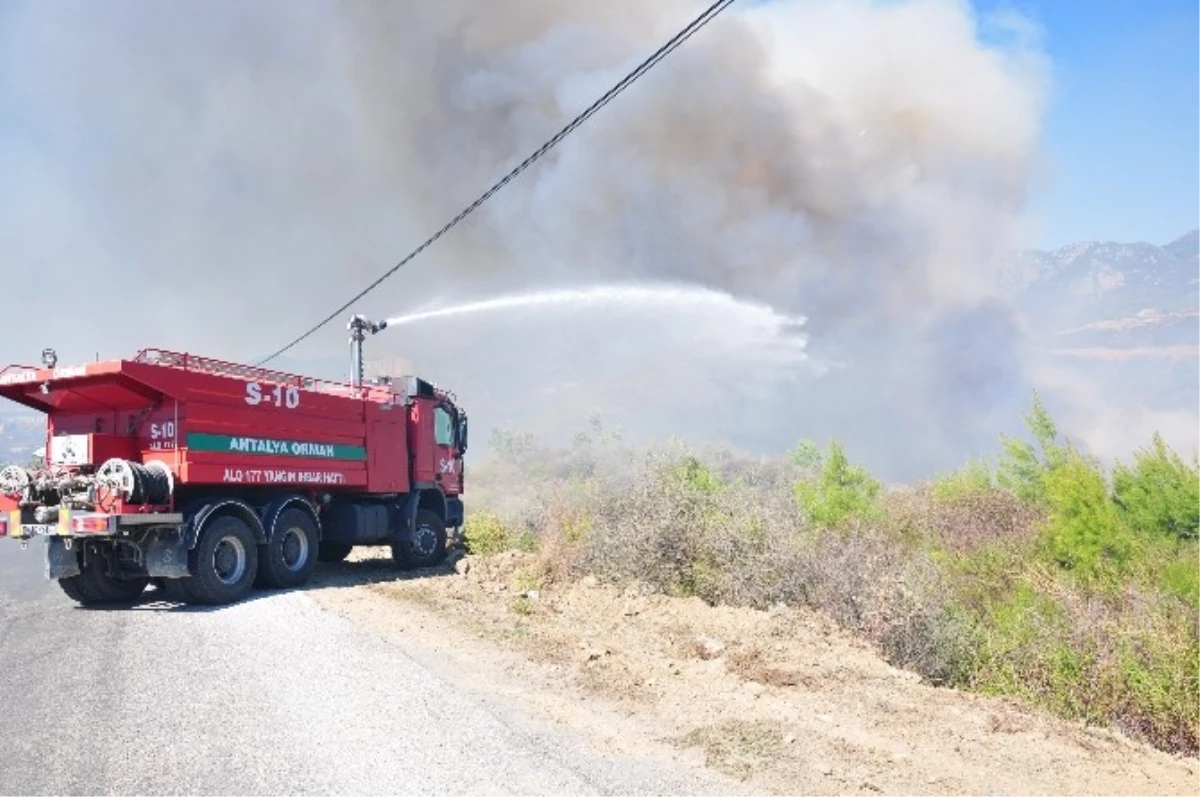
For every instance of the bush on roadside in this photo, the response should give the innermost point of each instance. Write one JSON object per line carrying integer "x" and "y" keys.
{"x": 1046, "y": 578}
{"x": 1025, "y": 466}
{"x": 1160, "y": 493}
{"x": 839, "y": 491}
{"x": 975, "y": 477}
{"x": 486, "y": 534}
{"x": 1084, "y": 533}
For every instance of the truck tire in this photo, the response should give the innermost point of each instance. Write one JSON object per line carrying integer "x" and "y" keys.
{"x": 94, "y": 587}
{"x": 290, "y": 556}
{"x": 223, "y": 564}
{"x": 424, "y": 546}
{"x": 333, "y": 551}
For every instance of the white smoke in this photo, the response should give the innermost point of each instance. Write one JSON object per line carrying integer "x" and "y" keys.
{"x": 236, "y": 172}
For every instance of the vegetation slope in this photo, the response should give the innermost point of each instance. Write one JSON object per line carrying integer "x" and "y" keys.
{"x": 1041, "y": 575}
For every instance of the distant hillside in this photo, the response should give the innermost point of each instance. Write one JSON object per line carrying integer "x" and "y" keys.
{"x": 20, "y": 435}
{"x": 1099, "y": 293}
{"x": 1122, "y": 321}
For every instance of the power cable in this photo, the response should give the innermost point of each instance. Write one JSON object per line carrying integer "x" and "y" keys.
{"x": 662, "y": 52}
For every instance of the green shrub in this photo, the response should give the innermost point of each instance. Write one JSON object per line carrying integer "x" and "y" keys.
{"x": 807, "y": 455}
{"x": 690, "y": 475}
{"x": 1084, "y": 532}
{"x": 1018, "y": 642}
{"x": 1024, "y": 467}
{"x": 840, "y": 490}
{"x": 1181, "y": 577}
{"x": 1170, "y": 567}
{"x": 990, "y": 573}
{"x": 1153, "y": 686}
{"x": 485, "y": 534}
{"x": 1160, "y": 494}
{"x": 973, "y": 478}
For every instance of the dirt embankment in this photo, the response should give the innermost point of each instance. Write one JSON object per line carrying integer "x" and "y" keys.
{"x": 781, "y": 699}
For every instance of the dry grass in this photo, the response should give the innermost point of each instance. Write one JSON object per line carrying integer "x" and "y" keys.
{"x": 933, "y": 580}
{"x": 752, "y": 665}
{"x": 737, "y": 748}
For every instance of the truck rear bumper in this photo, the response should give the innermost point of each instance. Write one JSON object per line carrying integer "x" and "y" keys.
{"x": 83, "y": 524}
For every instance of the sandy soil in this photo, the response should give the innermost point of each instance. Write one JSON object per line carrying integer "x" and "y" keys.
{"x": 782, "y": 700}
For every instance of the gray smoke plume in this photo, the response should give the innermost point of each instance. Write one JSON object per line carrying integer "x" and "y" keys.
{"x": 218, "y": 176}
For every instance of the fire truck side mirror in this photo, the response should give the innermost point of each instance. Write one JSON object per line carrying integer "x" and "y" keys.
{"x": 462, "y": 434}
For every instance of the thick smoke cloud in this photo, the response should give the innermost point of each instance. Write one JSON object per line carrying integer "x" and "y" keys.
{"x": 860, "y": 160}
{"x": 222, "y": 175}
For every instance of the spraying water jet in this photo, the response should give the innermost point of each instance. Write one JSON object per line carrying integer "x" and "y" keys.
{"x": 653, "y": 357}
{"x": 712, "y": 325}
{"x": 660, "y": 297}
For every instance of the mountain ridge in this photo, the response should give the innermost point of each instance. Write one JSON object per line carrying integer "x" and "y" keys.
{"x": 1091, "y": 281}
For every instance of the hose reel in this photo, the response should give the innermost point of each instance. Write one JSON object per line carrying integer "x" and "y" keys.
{"x": 136, "y": 483}
{"x": 14, "y": 480}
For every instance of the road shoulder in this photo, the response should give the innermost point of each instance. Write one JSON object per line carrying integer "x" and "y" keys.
{"x": 780, "y": 701}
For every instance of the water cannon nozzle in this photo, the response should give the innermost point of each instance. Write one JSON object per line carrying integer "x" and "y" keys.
{"x": 359, "y": 325}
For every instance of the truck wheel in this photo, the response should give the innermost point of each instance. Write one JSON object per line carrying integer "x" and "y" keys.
{"x": 290, "y": 556}
{"x": 333, "y": 551}
{"x": 424, "y": 546}
{"x": 223, "y": 563}
{"x": 94, "y": 587}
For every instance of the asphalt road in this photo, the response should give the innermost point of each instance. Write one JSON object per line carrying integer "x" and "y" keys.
{"x": 273, "y": 695}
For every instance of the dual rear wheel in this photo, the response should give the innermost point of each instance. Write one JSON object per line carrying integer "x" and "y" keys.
{"x": 289, "y": 559}
{"x": 100, "y": 581}
{"x": 227, "y": 561}
{"x": 223, "y": 564}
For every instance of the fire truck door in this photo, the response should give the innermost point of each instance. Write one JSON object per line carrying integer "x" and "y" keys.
{"x": 449, "y": 463}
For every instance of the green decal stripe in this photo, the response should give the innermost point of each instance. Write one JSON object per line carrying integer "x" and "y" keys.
{"x": 227, "y": 444}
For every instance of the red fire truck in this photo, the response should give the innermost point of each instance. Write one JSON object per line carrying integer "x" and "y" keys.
{"x": 210, "y": 477}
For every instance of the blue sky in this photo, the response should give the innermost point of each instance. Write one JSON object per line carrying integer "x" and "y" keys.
{"x": 1122, "y": 134}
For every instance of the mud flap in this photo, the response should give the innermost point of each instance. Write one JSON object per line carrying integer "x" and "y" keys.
{"x": 167, "y": 556}
{"x": 61, "y": 561}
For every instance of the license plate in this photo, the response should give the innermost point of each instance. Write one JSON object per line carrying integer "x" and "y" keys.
{"x": 33, "y": 529}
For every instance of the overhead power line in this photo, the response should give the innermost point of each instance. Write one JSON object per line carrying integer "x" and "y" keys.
{"x": 662, "y": 52}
